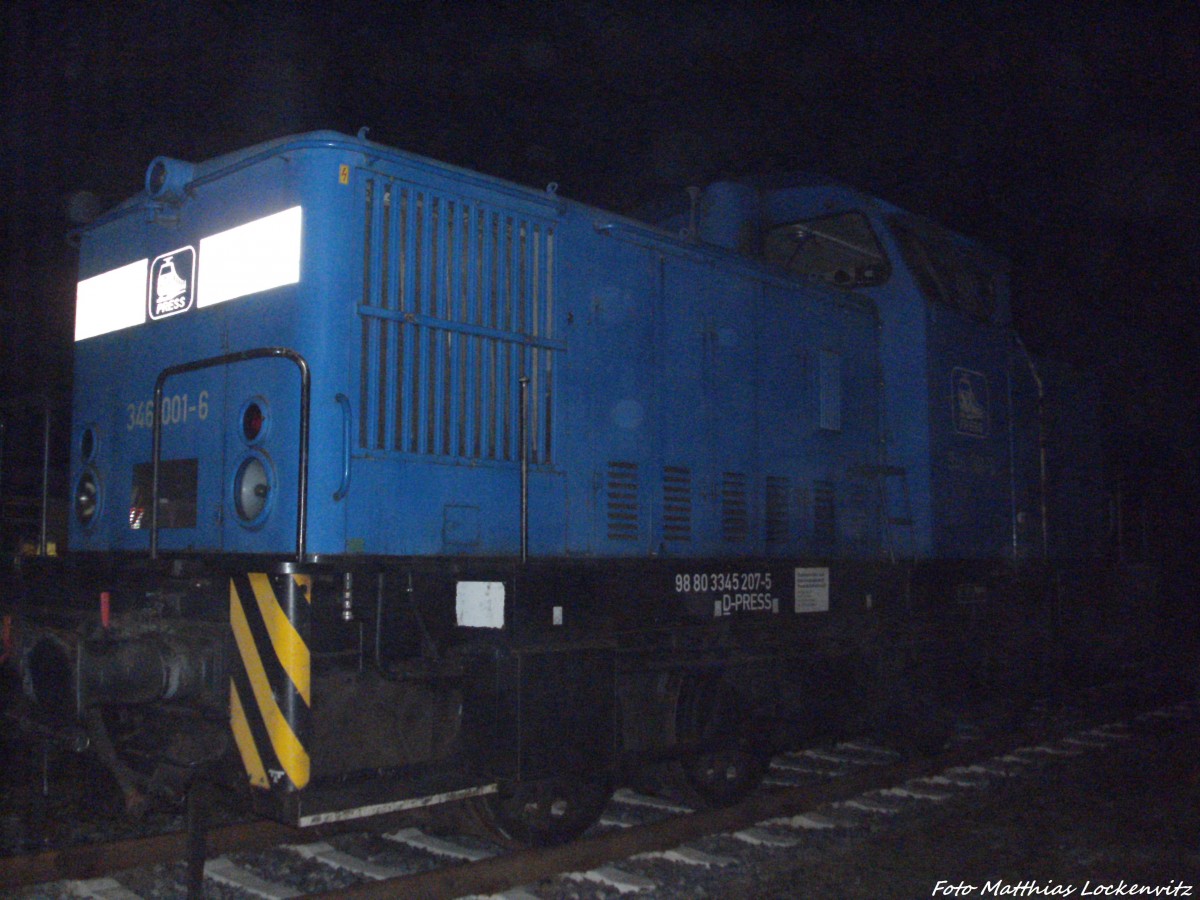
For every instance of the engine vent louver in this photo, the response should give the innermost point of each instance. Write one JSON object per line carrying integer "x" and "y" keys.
{"x": 621, "y": 490}
{"x": 778, "y": 522}
{"x": 677, "y": 503}
{"x": 735, "y": 507}
{"x": 457, "y": 305}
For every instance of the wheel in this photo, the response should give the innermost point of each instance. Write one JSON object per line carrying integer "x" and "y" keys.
{"x": 733, "y": 757}
{"x": 724, "y": 776}
{"x": 544, "y": 813}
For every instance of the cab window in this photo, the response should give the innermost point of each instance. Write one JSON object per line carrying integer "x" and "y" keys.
{"x": 946, "y": 271}
{"x": 840, "y": 249}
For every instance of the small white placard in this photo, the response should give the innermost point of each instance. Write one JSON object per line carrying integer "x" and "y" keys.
{"x": 812, "y": 590}
{"x": 480, "y": 604}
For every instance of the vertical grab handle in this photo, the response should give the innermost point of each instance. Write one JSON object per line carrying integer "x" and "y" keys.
{"x": 344, "y": 487}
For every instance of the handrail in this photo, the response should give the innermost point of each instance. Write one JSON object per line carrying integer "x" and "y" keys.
{"x": 523, "y": 441}
{"x": 42, "y": 402}
{"x": 223, "y": 360}
{"x": 45, "y": 479}
{"x": 344, "y": 402}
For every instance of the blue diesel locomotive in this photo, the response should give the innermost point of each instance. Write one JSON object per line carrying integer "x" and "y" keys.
{"x": 395, "y": 483}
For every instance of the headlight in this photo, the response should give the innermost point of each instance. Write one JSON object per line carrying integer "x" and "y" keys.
{"x": 167, "y": 179}
{"x": 87, "y": 497}
{"x": 251, "y": 489}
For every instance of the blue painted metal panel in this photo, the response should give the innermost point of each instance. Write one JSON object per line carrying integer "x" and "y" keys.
{"x": 674, "y": 390}
{"x": 115, "y": 372}
{"x": 902, "y": 342}
{"x": 972, "y": 441}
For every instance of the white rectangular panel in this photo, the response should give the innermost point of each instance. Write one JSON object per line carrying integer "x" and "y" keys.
{"x": 254, "y": 257}
{"x": 111, "y": 301}
{"x": 812, "y": 590}
{"x": 480, "y": 604}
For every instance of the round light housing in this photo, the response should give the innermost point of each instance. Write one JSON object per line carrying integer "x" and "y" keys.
{"x": 156, "y": 177}
{"x": 167, "y": 179}
{"x": 251, "y": 489}
{"x": 253, "y": 420}
{"x": 87, "y": 498}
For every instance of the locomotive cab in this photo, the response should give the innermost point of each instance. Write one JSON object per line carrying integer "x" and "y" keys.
{"x": 959, "y": 394}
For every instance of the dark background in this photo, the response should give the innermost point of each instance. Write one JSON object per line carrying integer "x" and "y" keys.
{"x": 1062, "y": 135}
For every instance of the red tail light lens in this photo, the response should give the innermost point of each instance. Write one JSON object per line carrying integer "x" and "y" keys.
{"x": 252, "y": 422}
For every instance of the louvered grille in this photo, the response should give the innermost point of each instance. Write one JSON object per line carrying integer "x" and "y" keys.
{"x": 677, "y": 503}
{"x": 622, "y": 492}
{"x": 778, "y": 520}
{"x": 457, "y": 305}
{"x": 735, "y": 510}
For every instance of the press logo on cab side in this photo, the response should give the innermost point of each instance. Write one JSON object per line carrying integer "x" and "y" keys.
{"x": 172, "y": 283}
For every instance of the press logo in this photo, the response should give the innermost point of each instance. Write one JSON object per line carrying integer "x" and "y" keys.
{"x": 969, "y": 403}
{"x": 172, "y": 283}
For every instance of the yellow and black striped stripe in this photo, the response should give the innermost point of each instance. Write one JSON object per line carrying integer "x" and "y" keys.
{"x": 270, "y": 698}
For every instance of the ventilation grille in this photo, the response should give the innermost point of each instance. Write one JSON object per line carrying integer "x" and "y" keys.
{"x": 457, "y": 305}
{"x": 778, "y": 521}
{"x": 677, "y": 503}
{"x": 824, "y": 512}
{"x": 622, "y": 492}
{"x": 735, "y": 510}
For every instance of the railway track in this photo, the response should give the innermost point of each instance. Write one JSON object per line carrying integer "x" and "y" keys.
{"x": 643, "y": 844}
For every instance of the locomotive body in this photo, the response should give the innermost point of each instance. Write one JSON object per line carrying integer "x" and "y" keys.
{"x": 398, "y": 483}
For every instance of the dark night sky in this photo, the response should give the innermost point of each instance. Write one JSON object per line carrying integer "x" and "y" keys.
{"x": 1063, "y": 135}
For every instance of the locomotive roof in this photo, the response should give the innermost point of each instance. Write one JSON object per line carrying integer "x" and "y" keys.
{"x": 215, "y": 167}
{"x": 664, "y": 217}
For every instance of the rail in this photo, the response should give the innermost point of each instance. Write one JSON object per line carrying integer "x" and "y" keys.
{"x": 225, "y": 360}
